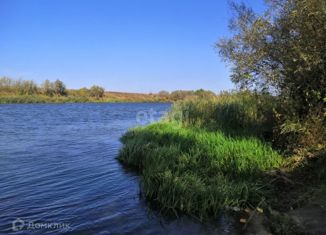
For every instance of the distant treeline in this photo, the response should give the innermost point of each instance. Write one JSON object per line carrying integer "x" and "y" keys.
{"x": 28, "y": 91}
{"x": 48, "y": 88}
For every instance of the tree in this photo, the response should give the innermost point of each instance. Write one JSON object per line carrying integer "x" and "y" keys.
{"x": 48, "y": 88}
{"x": 59, "y": 88}
{"x": 284, "y": 48}
{"x": 96, "y": 91}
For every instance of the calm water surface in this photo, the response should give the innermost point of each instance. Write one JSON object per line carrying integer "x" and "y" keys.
{"x": 59, "y": 173}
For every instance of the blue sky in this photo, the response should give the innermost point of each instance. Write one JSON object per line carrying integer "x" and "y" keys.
{"x": 122, "y": 45}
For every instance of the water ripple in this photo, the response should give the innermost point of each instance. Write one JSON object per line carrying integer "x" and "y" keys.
{"x": 58, "y": 165}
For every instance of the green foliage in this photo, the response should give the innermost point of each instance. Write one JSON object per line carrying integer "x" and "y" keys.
{"x": 59, "y": 88}
{"x": 18, "y": 91}
{"x": 305, "y": 136}
{"x": 206, "y": 155}
{"x": 241, "y": 113}
{"x": 6, "y": 84}
{"x": 195, "y": 171}
{"x": 179, "y": 94}
{"x": 27, "y": 87}
{"x": 48, "y": 88}
{"x": 23, "y": 91}
{"x": 283, "y": 49}
{"x": 83, "y": 92}
{"x": 96, "y": 91}
{"x": 164, "y": 95}
{"x": 182, "y": 94}
{"x": 22, "y": 87}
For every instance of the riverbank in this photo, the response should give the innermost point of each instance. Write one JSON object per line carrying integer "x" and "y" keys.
{"x": 217, "y": 154}
{"x": 73, "y": 96}
{"x": 27, "y": 91}
{"x": 198, "y": 172}
{"x": 109, "y": 97}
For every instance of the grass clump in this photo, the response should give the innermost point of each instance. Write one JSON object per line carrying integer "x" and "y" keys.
{"x": 197, "y": 171}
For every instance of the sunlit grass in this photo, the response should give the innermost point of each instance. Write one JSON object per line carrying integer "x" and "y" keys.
{"x": 238, "y": 113}
{"x": 197, "y": 171}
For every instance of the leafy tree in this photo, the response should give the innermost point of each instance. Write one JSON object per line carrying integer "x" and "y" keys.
{"x": 284, "y": 48}
{"x": 59, "y": 88}
{"x": 96, "y": 91}
{"x": 48, "y": 88}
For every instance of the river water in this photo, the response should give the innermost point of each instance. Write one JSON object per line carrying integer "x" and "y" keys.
{"x": 59, "y": 173}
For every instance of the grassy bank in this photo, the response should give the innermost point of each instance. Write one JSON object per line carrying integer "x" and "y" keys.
{"x": 207, "y": 155}
{"x": 107, "y": 98}
{"x": 196, "y": 171}
{"x": 78, "y": 96}
{"x": 213, "y": 153}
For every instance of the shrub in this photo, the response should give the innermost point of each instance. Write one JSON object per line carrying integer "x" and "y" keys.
{"x": 59, "y": 88}
{"x": 96, "y": 91}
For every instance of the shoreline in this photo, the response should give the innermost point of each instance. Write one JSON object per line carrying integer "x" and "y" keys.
{"x": 95, "y": 102}
{"x": 275, "y": 211}
{"x": 63, "y": 100}
{"x": 208, "y": 160}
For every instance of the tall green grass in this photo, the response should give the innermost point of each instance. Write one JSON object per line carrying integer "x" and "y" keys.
{"x": 237, "y": 113}
{"x": 196, "y": 171}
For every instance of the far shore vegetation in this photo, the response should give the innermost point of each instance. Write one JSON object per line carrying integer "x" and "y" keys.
{"x": 27, "y": 91}
{"x": 258, "y": 151}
